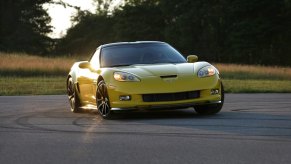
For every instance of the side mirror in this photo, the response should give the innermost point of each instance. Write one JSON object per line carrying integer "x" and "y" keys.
{"x": 85, "y": 65}
{"x": 192, "y": 58}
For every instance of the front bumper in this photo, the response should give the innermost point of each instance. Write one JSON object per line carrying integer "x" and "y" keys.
{"x": 136, "y": 90}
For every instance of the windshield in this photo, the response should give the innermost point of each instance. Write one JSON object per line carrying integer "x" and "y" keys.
{"x": 142, "y": 53}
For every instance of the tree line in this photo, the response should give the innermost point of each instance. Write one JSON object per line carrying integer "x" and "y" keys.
{"x": 228, "y": 31}
{"x": 24, "y": 26}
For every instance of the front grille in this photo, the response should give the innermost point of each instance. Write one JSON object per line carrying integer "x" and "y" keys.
{"x": 170, "y": 96}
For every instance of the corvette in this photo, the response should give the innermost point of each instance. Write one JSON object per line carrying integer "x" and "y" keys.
{"x": 143, "y": 75}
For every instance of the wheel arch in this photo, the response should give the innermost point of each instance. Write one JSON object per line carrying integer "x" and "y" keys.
{"x": 73, "y": 76}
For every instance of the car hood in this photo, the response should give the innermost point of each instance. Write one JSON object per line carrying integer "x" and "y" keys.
{"x": 159, "y": 69}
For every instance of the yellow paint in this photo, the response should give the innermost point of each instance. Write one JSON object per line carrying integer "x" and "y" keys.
{"x": 150, "y": 83}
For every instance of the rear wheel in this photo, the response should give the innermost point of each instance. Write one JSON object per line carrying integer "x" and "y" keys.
{"x": 102, "y": 101}
{"x": 73, "y": 96}
{"x": 211, "y": 108}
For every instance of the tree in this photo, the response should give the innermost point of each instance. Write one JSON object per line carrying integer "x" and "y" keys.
{"x": 248, "y": 31}
{"x": 139, "y": 20}
{"x": 24, "y": 25}
{"x": 83, "y": 38}
{"x": 126, "y": 23}
{"x": 233, "y": 31}
{"x": 196, "y": 26}
{"x": 259, "y": 32}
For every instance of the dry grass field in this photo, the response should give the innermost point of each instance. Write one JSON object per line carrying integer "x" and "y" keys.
{"x": 24, "y": 61}
{"x": 254, "y": 72}
{"x": 281, "y": 71}
{"x": 15, "y": 64}
{"x": 22, "y": 74}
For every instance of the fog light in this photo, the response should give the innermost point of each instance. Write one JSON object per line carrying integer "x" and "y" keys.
{"x": 125, "y": 98}
{"x": 214, "y": 91}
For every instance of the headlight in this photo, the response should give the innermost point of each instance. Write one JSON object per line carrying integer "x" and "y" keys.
{"x": 122, "y": 76}
{"x": 206, "y": 71}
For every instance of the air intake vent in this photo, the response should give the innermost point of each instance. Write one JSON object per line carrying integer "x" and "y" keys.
{"x": 170, "y": 96}
{"x": 169, "y": 76}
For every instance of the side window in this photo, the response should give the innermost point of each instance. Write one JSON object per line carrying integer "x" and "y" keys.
{"x": 95, "y": 59}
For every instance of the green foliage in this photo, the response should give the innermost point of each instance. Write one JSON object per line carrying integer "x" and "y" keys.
{"x": 128, "y": 23}
{"x": 259, "y": 31}
{"x": 196, "y": 27}
{"x": 229, "y": 31}
{"x": 83, "y": 38}
{"x": 24, "y": 25}
{"x": 141, "y": 20}
{"x": 248, "y": 31}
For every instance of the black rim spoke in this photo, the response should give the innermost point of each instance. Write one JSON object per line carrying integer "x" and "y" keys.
{"x": 102, "y": 100}
{"x": 103, "y": 109}
{"x": 100, "y": 106}
{"x": 71, "y": 97}
{"x": 70, "y": 88}
{"x": 71, "y": 94}
{"x": 107, "y": 106}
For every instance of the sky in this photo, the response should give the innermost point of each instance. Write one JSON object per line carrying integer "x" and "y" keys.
{"x": 61, "y": 16}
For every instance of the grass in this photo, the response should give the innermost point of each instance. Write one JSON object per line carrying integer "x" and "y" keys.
{"x": 24, "y": 65}
{"x": 257, "y": 86}
{"x": 16, "y": 61}
{"x": 247, "y": 72}
{"x": 255, "y": 79}
{"x": 32, "y": 85}
{"x": 22, "y": 74}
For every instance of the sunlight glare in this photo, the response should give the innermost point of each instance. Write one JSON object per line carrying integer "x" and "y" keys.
{"x": 61, "y": 16}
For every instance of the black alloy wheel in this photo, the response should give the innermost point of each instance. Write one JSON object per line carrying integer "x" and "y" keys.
{"x": 102, "y": 101}
{"x": 73, "y": 97}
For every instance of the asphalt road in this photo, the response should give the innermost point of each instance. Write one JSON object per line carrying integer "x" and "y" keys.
{"x": 252, "y": 128}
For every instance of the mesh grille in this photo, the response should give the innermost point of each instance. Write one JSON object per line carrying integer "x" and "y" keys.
{"x": 170, "y": 96}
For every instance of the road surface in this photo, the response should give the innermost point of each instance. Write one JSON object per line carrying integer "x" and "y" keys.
{"x": 252, "y": 128}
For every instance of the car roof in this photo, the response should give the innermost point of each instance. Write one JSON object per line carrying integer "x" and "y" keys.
{"x": 129, "y": 43}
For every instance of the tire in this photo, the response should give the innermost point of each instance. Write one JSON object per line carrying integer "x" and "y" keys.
{"x": 102, "y": 101}
{"x": 73, "y": 96}
{"x": 211, "y": 109}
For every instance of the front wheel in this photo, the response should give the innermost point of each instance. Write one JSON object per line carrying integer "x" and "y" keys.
{"x": 73, "y": 96}
{"x": 211, "y": 108}
{"x": 102, "y": 101}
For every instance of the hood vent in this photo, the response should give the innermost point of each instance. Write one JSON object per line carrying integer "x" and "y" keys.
{"x": 168, "y": 76}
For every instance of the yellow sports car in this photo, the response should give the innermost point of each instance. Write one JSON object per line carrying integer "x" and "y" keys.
{"x": 143, "y": 75}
